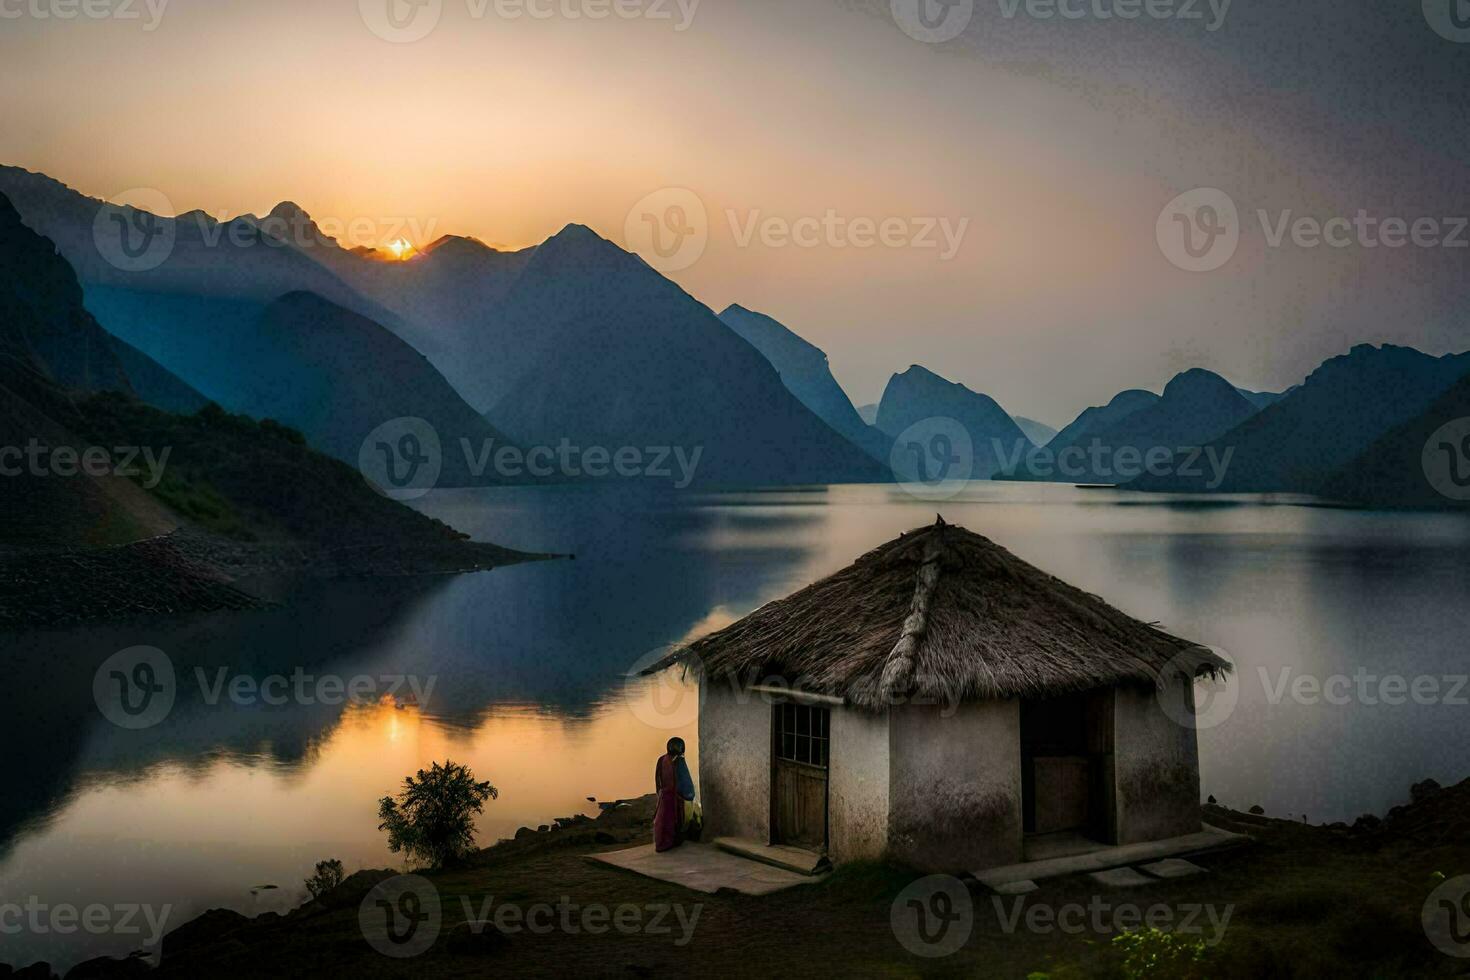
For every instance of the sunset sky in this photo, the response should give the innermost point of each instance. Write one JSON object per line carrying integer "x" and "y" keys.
{"x": 1057, "y": 140}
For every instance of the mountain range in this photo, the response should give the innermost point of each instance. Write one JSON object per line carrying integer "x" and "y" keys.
{"x": 1109, "y": 444}
{"x": 576, "y": 341}
{"x": 1302, "y": 442}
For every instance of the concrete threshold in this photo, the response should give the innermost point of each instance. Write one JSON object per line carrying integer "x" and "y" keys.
{"x": 1208, "y": 839}
{"x": 796, "y": 859}
{"x": 704, "y": 868}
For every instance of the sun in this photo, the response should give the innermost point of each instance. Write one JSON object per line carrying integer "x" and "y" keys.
{"x": 400, "y": 248}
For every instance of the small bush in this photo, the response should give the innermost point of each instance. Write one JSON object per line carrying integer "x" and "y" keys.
{"x": 328, "y": 875}
{"x": 1153, "y": 953}
{"x": 433, "y": 819}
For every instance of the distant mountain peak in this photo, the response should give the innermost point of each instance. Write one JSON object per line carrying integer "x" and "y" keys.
{"x": 580, "y": 247}
{"x": 770, "y": 335}
{"x": 456, "y": 243}
{"x": 1197, "y": 380}
{"x": 288, "y": 210}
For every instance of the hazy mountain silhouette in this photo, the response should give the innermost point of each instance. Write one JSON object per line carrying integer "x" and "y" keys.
{"x": 1263, "y": 399}
{"x": 616, "y": 355}
{"x": 1196, "y": 406}
{"x": 336, "y": 376}
{"x": 806, "y": 374}
{"x": 1394, "y": 470}
{"x": 212, "y": 316}
{"x": 226, "y": 480}
{"x": 44, "y": 324}
{"x": 1038, "y": 432}
{"x": 444, "y": 298}
{"x": 154, "y": 383}
{"x": 209, "y": 259}
{"x": 52, "y": 351}
{"x": 868, "y": 413}
{"x": 918, "y": 394}
{"x": 1101, "y": 417}
{"x": 1299, "y": 443}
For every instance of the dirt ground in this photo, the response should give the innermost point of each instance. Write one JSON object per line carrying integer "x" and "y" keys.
{"x": 1301, "y": 901}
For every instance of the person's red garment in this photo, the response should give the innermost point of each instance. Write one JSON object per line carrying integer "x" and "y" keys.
{"x": 668, "y": 819}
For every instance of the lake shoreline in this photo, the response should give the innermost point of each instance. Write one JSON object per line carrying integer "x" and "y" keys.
{"x": 1300, "y": 900}
{"x": 190, "y": 570}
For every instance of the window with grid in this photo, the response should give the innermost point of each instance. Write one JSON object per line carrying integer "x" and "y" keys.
{"x": 802, "y": 734}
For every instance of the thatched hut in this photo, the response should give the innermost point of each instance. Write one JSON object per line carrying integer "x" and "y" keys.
{"x": 940, "y": 701}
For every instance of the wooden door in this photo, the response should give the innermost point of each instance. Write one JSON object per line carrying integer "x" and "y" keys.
{"x": 801, "y": 743}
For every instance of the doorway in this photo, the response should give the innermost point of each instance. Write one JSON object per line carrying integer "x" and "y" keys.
{"x": 1067, "y": 768}
{"x": 801, "y": 752}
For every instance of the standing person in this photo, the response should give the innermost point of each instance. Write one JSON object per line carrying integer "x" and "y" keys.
{"x": 675, "y": 788}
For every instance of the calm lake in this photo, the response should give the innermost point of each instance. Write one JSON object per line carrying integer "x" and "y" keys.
{"x": 1348, "y": 629}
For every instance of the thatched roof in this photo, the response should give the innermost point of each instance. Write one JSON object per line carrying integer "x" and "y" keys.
{"x": 942, "y": 614}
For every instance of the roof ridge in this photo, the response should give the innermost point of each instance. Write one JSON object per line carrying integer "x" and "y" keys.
{"x": 898, "y": 667}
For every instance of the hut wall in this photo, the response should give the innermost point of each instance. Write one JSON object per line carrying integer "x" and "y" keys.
{"x": 735, "y": 763}
{"x": 858, "y": 785}
{"x": 1156, "y": 764}
{"x": 955, "y": 798}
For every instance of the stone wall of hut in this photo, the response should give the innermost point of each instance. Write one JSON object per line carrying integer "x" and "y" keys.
{"x": 955, "y": 796}
{"x": 735, "y": 763}
{"x": 858, "y": 785}
{"x": 1156, "y": 763}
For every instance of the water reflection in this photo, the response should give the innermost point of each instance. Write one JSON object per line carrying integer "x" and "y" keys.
{"x": 528, "y": 668}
